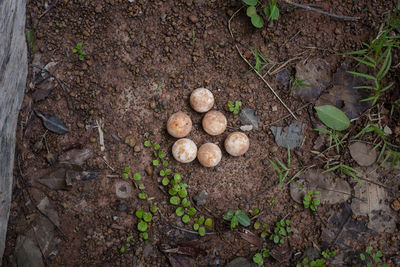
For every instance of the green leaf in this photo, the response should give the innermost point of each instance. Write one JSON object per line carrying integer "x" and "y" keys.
{"x": 142, "y": 226}
{"x": 202, "y": 231}
{"x": 139, "y": 213}
{"x": 179, "y": 211}
{"x": 257, "y": 225}
{"x": 258, "y": 259}
{"x": 185, "y": 203}
{"x": 333, "y": 117}
{"x": 362, "y": 257}
{"x": 234, "y": 222}
{"x": 122, "y": 250}
{"x": 208, "y": 222}
{"x": 191, "y": 211}
{"x": 79, "y": 45}
{"x": 125, "y": 175}
{"x": 185, "y": 219}
{"x": 156, "y": 147}
{"x": 274, "y": 12}
{"x": 147, "y": 216}
{"x": 182, "y": 193}
{"x": 229, "y": 215}
{"x": 165, "y": 181}
{"x": 172, "y": 191}
{"x": 154, "y": 209}
{"x": 81, "y": 58}
{"x": 137, "y": 176}
{"x": 142, "y": 195}
{"x": 243, "y": 219}
{"x": 196, "y": 226}
{"x": 276, "y": 239}
{"x": 156, "y": 162}
{"x": 366, "y": 76}
{"x": 164, "y": 163}
{"x": 75, "y": 50}
{"x": 251, "y": 10}
{"x": 144, "y": 235}
{"x": 265, "y": 252}
{"x": 147, "y": 143}
{"x": 174, "y": 200}
{"x": 250, "y": 2}
{"x": 141, "y": 186}
{"x": 257, "y": 21}
{"x": 201, "y": 220}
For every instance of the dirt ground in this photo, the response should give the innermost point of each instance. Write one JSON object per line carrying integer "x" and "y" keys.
{"x": 142, "y": 60}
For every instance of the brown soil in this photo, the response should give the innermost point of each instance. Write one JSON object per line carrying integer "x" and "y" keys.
{"x": 142, "y": 61}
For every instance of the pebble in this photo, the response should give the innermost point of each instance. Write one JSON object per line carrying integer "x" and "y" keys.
{"x": 274, "y": 108}
{"x": 396, "y": 204}
{"x": 153, "y": 104}
{"x": 137, "y": 148}
{"x": 149, "y": 171}
{"x": 80, "y": 125}
{"x": 130, "y": 140}
{"x": 193, "y": 18}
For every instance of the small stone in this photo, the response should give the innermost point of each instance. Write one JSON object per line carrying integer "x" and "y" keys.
{"x": 153, "y": 104}
{"x": 86, "y": 33}
{"x": 92, "y": 139}
{"x": 274, "y": 108}
{"x": 248, "y": 117}
{"x": 98, "y": 9}
{"x": 193, "y": 18}
{"x": 387, "y": 130}
{"x": 246, "y": 128}
{"x": 338, "y": 31}
{"x": 130, "y": 141}
{"x": 80, "y": 125}
{"x": 273, "y": 149}
{"x": 137, "y": 148}
{"x": 201, "y": 198}
{"x": 283, "y": 77}
{"x": 396, "y": 205}
{"x": 149, "y": 171}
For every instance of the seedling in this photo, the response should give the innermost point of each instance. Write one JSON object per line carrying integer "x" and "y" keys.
{"x": 327, "y": 254}
{"x": 78, "y": 49}
{"x": 198, "y": 222}
{"x": 259, "y": 258}
{"x": 265, "y": 231}
{"x": 372, "y": 259}
{"x": 283, "y": 170}
{"x": 281, "y": 231}
{"x": 143, "y": 224}
{"x": 147, "y": 143}
{"x": 126, "y": 245}
{"x": 333, "y": 136}
{"x": 254, "y": 212}
{"x": 236, "y": 218}
{"x": 311, "y": 200}
{"x": 297, "y": 83}
{"x": 58, "y": 24}
{"x": 234, "y": 107}
{"x": 271, "y": 11}
{"x": 318, "y": 262}
{"x": 261, "y": 61}
{"x": 343, "y": 168}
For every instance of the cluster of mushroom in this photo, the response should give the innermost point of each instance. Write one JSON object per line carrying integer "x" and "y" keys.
{"x": 214, "y": 123}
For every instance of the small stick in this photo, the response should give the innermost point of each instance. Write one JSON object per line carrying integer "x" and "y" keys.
{"x": 258, "y": 74}
{"x": 308, "y": 8}
{"x": 53, "y": 4}
{"x": 190, "y": 231}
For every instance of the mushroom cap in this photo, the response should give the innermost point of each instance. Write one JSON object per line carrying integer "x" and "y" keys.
{"x": 179, "y": 124}
{"x": 201, "y": 100}
{"x": 184, "y": 150}
{"x": 209, "y": 155}
{"x": 237, "y": 143}
{"x": 214, "y": 122}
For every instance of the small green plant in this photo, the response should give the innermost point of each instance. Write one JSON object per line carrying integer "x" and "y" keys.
{"x": 126, "y": 245}
{"x": 311, "y": 200}
{"x": 143, "y": 224}
{"x": 58, "y": 24}
{"x": 281, "y": 231}
{"x": 372, "y": 259}
{"x": 297, "y": 83}
{"x": 271, "y": 11}
{"x": 200, "y": 225}
{"x": 261, "y": 61}
{"x": 259, "y": 257}
{"x": 31, "y": 41}
{"x": 318, "y": 262}
{"x": 78, "y": 49}
{"x": 327, "y": 254}
{"x": 234, "y": 107}
{"x": 236, "y": 218}
{"x": 283, "y": 171}
{"x": 336, "y": 120}
{"x": 344, "y": 169}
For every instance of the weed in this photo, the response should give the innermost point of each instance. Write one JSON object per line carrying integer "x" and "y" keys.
{"x": 345, "y": 169}
{"x": 327, "y": 254}
{"x": 58, "y": 24}
{"x": 261, "y": 61}
{"x": 198, "y": 225}
{"x": 254, "y": 212}
{"x": 377, "y": 55}
{"x": 297, "y": 83}
{"x": 126, "y": 245}
{"x": 236, "y": 218}
{"x": 265, "y": 231}
{"x": 333, "y": 136}
{"x": 281, "y": 231}
{"x": 78, "y": 49}
{"x": 318, "y": 262}
{"x": 143, "y": 224}
{"x": 284, "y": 170}
{"x": 311, "y": 200}
{"x": 259, "y": 257}
{"x": 271, "y": 11}
{"x": 234, "y": 107}
{"x": 372, "y": 259}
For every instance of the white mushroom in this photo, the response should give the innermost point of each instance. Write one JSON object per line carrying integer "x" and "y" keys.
{"x": 201, "y": 100}
{"x": 214, "y": 122}
{"x": 237, "y": 143}
{"x": 209, "y": 155}
{"x": 179, "y": 124}
{"x": 184, "y": 150}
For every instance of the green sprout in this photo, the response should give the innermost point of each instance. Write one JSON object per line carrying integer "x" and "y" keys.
{"x": 372, "y": 259}
{"x": 234, "y": 107}
{"x": 259, "y": 257}
{"x": 236, "y": 218}
{"x": 311, "y": 200}
{"x": 281, "y": 231}
{"x": 78, "y": 49}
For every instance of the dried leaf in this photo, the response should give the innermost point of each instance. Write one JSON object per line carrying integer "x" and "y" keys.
{"x": 52, "y": 123}
{"x": 252, "y": 238}
{"x": 43, "y": 90}
{"x": 54, "y": 179}
{"x": 190, "y": 251}
{"x": 281, "y": 253}
{"x": 177, "y": 261}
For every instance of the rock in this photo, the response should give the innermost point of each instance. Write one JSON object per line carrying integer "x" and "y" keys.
{"x": 149, "y": 171}
{"x": 241, "y": 262}
{"x": 290, "y": 136}
{"x": 333, "y": 190}
{"x": 283, "y": 77}
{"x": 247, "y": 117}
{"x": 98, "y": 8}
{"x": 246, "y": 128}
{"x": 193, "y": 18}
{"x": 316, "y": 73}
{"x": 137, "y": 148}
{"x": 311, "y": 254}
{"x": 81, "y": 175}
{"x": 28, "y": 253}
{"x": 43, "y": 232}
{"x": 396, "y": 205}
{"x": 363, "y": 154}
{"x": 130, "y": 141}
{"x": 274, "y": 108}
{"x": 387, "y": 130}
{"x": 201, "y": 198}
{"x": 123, "y": 189}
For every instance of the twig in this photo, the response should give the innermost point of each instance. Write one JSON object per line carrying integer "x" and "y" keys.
{"x": 190, "y": 231}
{"x": 101, "y": 135}
{"x": 53, "y": 4}
{"x": 258, "y": 74}
{"x": 308, "y": 8}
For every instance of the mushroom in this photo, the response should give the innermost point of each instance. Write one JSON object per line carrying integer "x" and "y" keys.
{"x": 237, "y": 143}
{"x": 184, "y": 150}
{"x": 179, "y": 124}
{"x": 201, "y": 100}
{"x": 209, "y": 155}
{"x": 214, "y": 122}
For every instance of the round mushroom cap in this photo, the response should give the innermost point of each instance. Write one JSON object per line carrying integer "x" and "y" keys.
{"x": 214, "y": 122}
{"x": 209, "y": 155}
{"x": 237, "y": 143}
{"x": 179, "y": 124}
{"x": 184, "y": 150}
{"x": 201, "y": 100}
